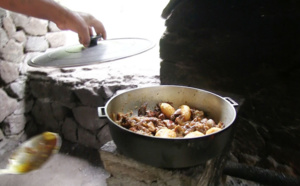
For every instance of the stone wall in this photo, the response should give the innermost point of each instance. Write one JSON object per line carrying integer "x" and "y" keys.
{"x": 60, "y": 100}
{"x": 20, "y": 37}
{"x": 248, "y": 49}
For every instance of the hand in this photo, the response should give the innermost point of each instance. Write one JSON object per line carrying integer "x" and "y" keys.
{"x": 82, "y": 23}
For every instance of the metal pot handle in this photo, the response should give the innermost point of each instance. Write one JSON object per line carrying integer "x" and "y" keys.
{"x": 231, "y": 101}
{"x": 101, "y": 112}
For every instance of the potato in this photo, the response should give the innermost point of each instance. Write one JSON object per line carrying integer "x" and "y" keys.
{"x": 213, "y": 130}
{"x": 167, "y": 109}
{"x": 185, "y": 112}
{"x": 165, "y": 133}
{"x": 194, "y": 134}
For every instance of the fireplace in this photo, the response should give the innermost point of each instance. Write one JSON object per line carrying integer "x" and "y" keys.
{"x": 247, "y": 48}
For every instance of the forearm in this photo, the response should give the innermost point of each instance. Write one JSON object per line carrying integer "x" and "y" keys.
{"x": 64, "y": 18}
{"x": 44, "y": 9}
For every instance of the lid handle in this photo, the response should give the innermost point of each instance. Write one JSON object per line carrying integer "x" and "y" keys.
{"x": 94, "y": 40}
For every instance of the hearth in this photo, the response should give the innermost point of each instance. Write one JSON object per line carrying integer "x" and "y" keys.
{"x": 248, "y": 49}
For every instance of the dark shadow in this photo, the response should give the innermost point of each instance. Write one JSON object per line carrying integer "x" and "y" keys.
{"x": 77, "y": 150}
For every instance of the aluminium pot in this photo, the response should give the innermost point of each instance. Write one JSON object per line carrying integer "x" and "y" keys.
{"x": 170, "y": 152}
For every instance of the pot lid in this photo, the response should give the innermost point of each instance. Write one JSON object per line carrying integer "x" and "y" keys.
{"x": 102, "y": 51}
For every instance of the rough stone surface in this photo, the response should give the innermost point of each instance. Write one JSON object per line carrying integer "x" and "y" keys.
{"x": 87, "y": 117}
{"x": 24, "y": 106}
{"x": 69, "y": 129}
{"x": 14, "y": 124}
{"x": 88, "y": 138}
{"x": 8, "y": 105}
{"x": 103, "y": 135}
{"x": 17, "y": 89}
{"x": 9, "y": 26}
{"x": 60, "y": 112}
{"x": 42, "y": 113}
{"x": 12, "y": 51}
{"x": 20, "y": 20}
{"x": 89, "y": 97}
{"x": 2, "y": 137}
{"x": 9, "y": 72}
{"x": 36, "y": 27}
{"x": 45, "y": 89}
{"x": 3, "y": 37}
{"x": 20, "y": 36}
{"x": 36, "y": 44}
{"x": 52, "y": 27}
{"x": 106, "y": 91}
{"x": 56, "y": 39}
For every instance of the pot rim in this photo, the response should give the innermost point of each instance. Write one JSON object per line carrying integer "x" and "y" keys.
{"x": 177, "y": 138}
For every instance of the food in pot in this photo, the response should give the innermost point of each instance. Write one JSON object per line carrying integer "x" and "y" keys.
{"x": 166, "y": 133}
{"x": 167, "y": 122}
{"x": 167, "y": 109}
{"x": 212, "y": 130}
{"x": 194, "y": 134}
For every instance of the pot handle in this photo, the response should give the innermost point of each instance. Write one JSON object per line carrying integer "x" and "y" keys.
{"x": 231, "y": 101}
{"x": 101, "y": 112}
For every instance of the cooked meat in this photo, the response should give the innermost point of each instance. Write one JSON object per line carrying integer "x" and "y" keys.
{"x": 166, "y": 121}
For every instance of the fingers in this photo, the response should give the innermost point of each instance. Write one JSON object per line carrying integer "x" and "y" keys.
{"x": 84, "y": 35}
{"x": 95, "y": 23}
{"x": 99, "y": 28}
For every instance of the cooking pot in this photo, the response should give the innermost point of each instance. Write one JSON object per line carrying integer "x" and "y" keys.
{"x": 170, "y": 152}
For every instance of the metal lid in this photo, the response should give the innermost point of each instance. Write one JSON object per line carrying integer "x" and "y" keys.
{"x": 104, "y": 51}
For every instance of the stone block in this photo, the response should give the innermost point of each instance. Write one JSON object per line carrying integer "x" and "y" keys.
{"x": 59, "y": 111}
{"x": 48, "y": 89}
{"x": 20, "y": 20}
{"x": 106, "y": 91}
{"x": 52, "y": 27}
{"x": 36, "y": 27}
{"x": 8, "y": 105}
{"x": 69, "y": 130}
{"x": 12, "y": 51}
{"x": 59, "y": 89}
{"x": 17, "y": 89}
{"x": 14, "y": 124}
{"x": 9, "y": 72}
{"x": 88, "y": 118}
{"x": 103, "y": 135}
{"x": 24, "y": 106}
{"x": 3, "y": 38}
{"x": 56, "y": 39}
{"x": 36, "y": 44}
{"x": 89, "y": 97}
{"x": 87, "y": 138}
{"x": 20, "y": 37}
{"x": 9, "y": 26}
{"x": 43, "y": 115}
{"x": 2, "y": 137}
{"x": 31, "y": 128}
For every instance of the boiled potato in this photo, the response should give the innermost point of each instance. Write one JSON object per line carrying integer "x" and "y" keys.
{"x": 165, "y": 133}
{"x": 194, "y": 134}
{"x": 213, "y": 130}
{"x": 167, "y": 109}
{"x": 185, "y": 112}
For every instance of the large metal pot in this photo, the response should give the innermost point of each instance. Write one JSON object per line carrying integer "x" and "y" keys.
{"x": 173, "y": 152}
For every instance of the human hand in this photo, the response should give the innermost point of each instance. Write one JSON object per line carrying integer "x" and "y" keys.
{"x": 83, "y": 24}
